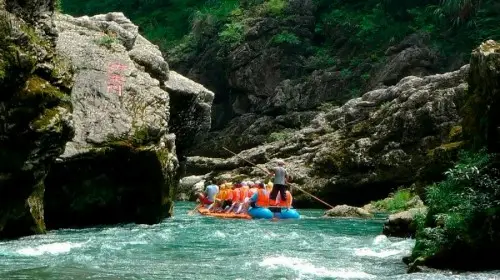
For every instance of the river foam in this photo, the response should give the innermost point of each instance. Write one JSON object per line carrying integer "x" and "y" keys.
{"x": 305, "y": 268}
{"x": 51, "y": 248}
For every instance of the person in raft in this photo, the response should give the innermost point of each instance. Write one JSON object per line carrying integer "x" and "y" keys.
{"x": 287, "y": 203}
{"x": 281, "y": 177}
{"x": 261, "y": 197}
{"x": 208, "y": 198}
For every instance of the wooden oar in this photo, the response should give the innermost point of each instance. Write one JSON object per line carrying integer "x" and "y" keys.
{"x": 269, "y": 173}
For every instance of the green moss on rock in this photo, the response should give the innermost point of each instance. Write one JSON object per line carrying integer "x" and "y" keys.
{"x": 455, "y": 133}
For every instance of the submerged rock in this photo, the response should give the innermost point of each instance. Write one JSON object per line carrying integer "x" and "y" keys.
{"x": 403, "y": 224}
{"x": 35, "y": 114}
{"x": 347, "y": 211}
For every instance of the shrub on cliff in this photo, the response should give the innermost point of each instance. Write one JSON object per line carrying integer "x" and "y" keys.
{"x": 462, "y": 225}
{"x": 396, "y": 202}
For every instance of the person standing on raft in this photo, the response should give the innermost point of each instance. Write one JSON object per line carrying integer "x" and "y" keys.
{"x": 281, "y": 177}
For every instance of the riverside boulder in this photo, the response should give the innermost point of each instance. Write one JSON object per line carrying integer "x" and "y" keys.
{"x": 121, "y": 165}
{"x": 403, "y": 224}
{"x": 347, "y": 211}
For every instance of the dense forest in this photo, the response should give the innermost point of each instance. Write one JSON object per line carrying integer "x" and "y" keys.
{"x": 455, "y": 26}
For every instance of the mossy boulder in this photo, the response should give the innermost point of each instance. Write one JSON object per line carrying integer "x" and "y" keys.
{"x": 35, "y": 117}
{"x": 481, "y": 113}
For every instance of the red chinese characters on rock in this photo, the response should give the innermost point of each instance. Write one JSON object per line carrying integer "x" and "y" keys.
{"x": 115, "y": 78}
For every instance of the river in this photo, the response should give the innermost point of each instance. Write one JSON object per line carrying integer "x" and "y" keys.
{"x": 196, "y": 247}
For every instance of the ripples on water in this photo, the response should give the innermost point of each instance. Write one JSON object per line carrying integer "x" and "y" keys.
{"x": 195, "y": 247}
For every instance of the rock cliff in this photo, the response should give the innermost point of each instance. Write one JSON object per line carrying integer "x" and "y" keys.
{"x": 90, "y": 118}
{"x": 35, "y": 114}
{"x": 362, "y": 150}
{"x": 461, "y": 229}
{"x": 270, "y": 77}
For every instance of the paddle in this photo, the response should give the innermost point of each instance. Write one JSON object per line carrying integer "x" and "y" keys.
{"x": 192, "y": 212}
{"x": 269, "y": 173}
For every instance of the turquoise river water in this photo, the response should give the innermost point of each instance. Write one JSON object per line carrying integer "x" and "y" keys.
{"x": 196, "y": 247}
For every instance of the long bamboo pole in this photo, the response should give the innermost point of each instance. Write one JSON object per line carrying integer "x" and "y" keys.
{"x": 269, "y": 173}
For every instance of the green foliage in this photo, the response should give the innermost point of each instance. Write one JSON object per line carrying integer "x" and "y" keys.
{"x": 232, "y": 34}
{"x": 164, "y": 22}
{"x": 321, "y": 59}
{"x": 106, "y": 41}
{"x": 275, "y": 7}
{"x": 286, "y": 37}
{"x": 58, "y": 6}
{"x": 460, "y": 208}
{"x": 396, "y": 202}
{"x": 280, "y": 136}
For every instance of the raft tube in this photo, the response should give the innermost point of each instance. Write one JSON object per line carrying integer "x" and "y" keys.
{"x": 287, "y": 214}
{"x": 260, "y": 213}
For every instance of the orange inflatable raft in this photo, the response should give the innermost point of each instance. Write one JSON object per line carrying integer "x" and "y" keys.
{"x": 205, "y": 212}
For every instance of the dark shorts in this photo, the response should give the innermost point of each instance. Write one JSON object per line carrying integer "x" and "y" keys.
{"x": 227, "y": 203}
{"x": 275, "y": 209}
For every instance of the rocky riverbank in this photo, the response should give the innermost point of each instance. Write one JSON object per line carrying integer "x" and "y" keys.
{"x": 400, "y": 135}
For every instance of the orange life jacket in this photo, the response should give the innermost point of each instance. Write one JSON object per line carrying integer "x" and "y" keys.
{"x": 243, "y": 194}
{"x": 229, "y": 195}
{"x": 288, "y": 202}
{"x": 236, "y": 195}
{"x": 262, "y": 198}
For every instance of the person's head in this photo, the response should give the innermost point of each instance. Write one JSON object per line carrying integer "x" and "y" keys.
{"x": 250, "y": 183}
{"x": 261, "y": 185}
{"x": 280, "y": 162}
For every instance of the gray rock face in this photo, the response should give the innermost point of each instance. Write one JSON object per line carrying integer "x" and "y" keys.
{"x": 113, "y": 99}
{"x": 403, "y": 224}
{"x": 347, "y": 212}
{"x": 411, "y": 57}
{"x": 190, "y": 110}
{"x": 188, "y": 187}
{"x": 366, "y": 148}
{"x": 126, "y": 111}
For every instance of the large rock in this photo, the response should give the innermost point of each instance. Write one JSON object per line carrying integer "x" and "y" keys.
{"x": 188, "y": 187}
{"x": 403, "y": 224}
{"x": 439, "y": 244}
{"x": 482, "y": 111}
{"x": 121, "y": 165}
{"x": 364, "y": 149}
{"x": 410, "y": 57}
{"x": 35, "y": 118}
{"x": 347, "y": 211}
